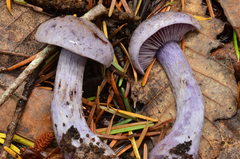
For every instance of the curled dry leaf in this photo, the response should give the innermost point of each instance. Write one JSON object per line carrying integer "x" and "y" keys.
{"x": 231, "y": 9}
{"x": 216, "y": 81}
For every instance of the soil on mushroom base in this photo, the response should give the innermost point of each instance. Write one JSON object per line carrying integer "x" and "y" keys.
{"x": 182, "y": 149}
{"x": 85, "y": 151}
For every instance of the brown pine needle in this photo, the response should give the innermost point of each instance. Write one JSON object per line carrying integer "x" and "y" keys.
{"x": 135, "y": 115}
{"x": 145, "y": 78}
{"x": 125, "y": 149}
{"x": 125, "y": 6}
{"x": 22, "y": 63}
{"x": 114, "y": 141}
{"x": 238, "y": 96}
{"x": 13, "y": 53}
{"x": 163, "y": 132}
{"x": 145, "y": 151}
{"x": 48, "y": 66}
{"x": 97, "y": 100}
{"x": 142, "y": 136}
{"x": 183, "y": 44}
{"x": 99, "y": 115}
{"x": 111, "y": 8}
{"x": 109, "y": 127}
{"x": 49, "y": 82}
{"x": 91, "y": 127}
{"x": 110, "y": 97}
{"x": 46, "y": 88}
{"x": 114, "y": 137}
{"x": 127, "y": 54}
{"x": 90, "y": 5}
{"x": 87, "y": 102}
{"x": 90, "y": 117}
{"x": 154, "y": 133}
{"x": 120, "y": 102}
{"x": 183, "y": 5}
{"x": 116, "y": 31}
{"x": 8, "y": 2}
{"x": 45, "y": 77}
{"x": 118, "y": 6}
{"x": 210, "y": 9}
{"x": 134, "y": 145}
{"x": 160, "y": 6}
{"x": 159, "y": 125}
{"x": 128, "y": 87}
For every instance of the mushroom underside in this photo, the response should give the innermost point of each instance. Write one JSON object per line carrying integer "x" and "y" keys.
{"x": 148, "y": 49}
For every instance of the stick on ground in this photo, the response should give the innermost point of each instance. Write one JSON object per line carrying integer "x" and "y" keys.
{"x": 24, "y": 75}
{"x": 11, "y": 129}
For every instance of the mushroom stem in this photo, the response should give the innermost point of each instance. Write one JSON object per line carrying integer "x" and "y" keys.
{"x": 184, "y": 138}
{"x": 71, "y": 130}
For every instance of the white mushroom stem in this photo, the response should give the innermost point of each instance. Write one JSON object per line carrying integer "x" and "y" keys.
{"x": 187, "y": 129}
{"x": 70, "y": 127}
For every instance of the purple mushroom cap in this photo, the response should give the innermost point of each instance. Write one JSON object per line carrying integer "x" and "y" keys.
{"x": 154, "y": 32}
{"x": 77, "y": 35}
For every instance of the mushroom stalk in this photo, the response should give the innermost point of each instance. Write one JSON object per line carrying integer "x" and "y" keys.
{"x": 71, "y": 130}
{"x": 184, "y": 138}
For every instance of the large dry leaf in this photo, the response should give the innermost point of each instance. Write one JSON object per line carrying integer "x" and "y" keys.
{"x": 232, "y": 11}
{"x": 17, "y": 35}
{"x": 17, "y": 32}
{"x": 230, "y": 133}
{"x": 216, "y": 81}
{"x": 36, "y": 118}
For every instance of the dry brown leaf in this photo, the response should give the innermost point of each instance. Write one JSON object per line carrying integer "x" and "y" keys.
{"x": 230, "y": 133}
{"x": 232, "y": 11}
{"x": 216, "y": 81}
{"x": 36, "y": 119}
{"x": 17, "y": 32}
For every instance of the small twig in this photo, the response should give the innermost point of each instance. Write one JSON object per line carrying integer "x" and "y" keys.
{"x": 96, "y": 11}
{"x": 13, "y": 53}
{"x": 11, "y": 129}
{"x": 210, "y": 9}
{"x": 183, "y": 5}
{"x": 4, "y": 86}
{"x": 29, "y": 69}
{"x": 22, "y": 63}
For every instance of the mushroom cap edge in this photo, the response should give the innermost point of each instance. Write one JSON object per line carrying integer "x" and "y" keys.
{"x": 77, "y": 35}
{"x": 150, "y": 26}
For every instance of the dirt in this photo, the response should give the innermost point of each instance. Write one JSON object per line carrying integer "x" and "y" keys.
{"x": 85, "y": 151}
{"x": 182, "y": 149}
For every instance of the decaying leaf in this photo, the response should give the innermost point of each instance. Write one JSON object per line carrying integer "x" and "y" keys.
{"x": 36, "y": 118}
{"x": 216, "y": 81}
{"x": 17, "y": 32}
{"x": 230, "y": 134}
{"x": 232, "y": 11}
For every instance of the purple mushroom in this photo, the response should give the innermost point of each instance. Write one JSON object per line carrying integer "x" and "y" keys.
{"x": 80, "y": 39}
{"x": 157, "y": 37}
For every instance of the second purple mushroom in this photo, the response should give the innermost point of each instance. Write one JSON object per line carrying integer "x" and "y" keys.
{"x": 158, "y": 37}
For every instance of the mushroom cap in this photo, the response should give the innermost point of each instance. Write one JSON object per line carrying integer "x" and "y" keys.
{"x": 154, "y": 32}
{"x": 77, "y": 35}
